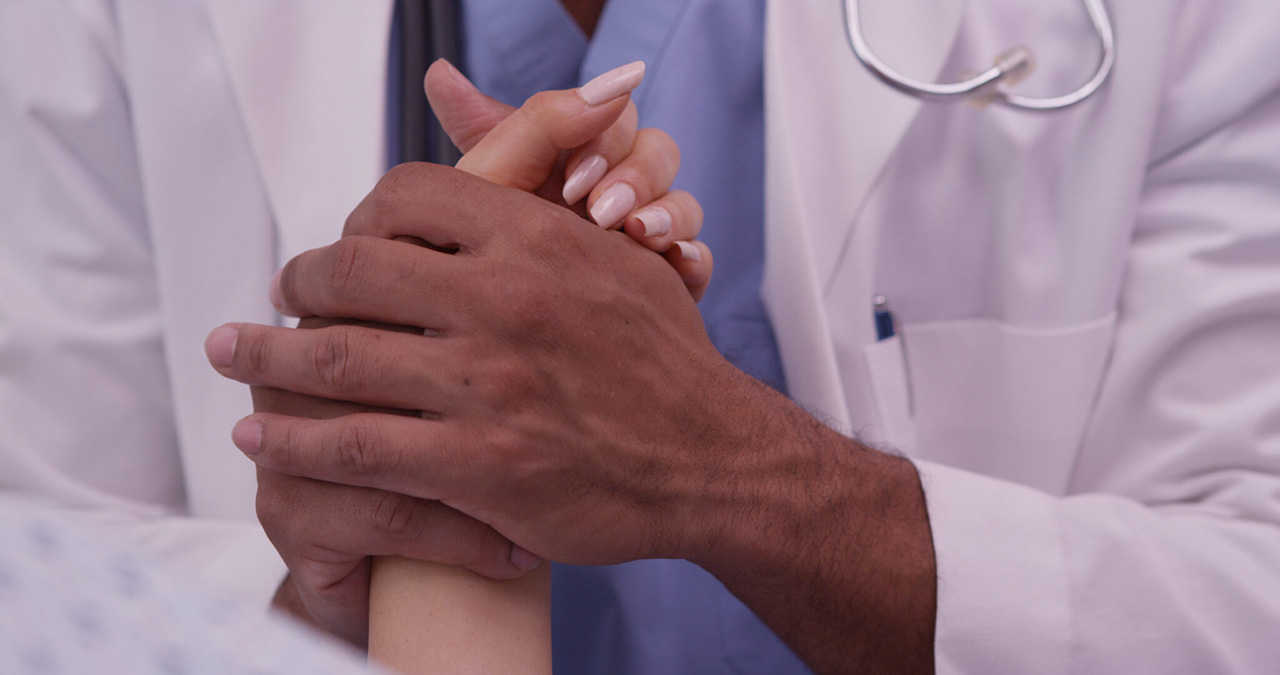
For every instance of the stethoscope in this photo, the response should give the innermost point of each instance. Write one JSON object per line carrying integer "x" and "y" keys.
{"x": 992, "y": 85}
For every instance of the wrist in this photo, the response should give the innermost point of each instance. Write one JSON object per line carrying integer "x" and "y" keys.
{"x": 828, "y": 541}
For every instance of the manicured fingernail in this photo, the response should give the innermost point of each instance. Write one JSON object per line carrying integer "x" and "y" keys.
{"x": 220, "y": 346}
{"x": 656, "y": 221}
{"x": 584, "y": 177}
{"x": 615, "y": 203}
{"x": 273, "y": 293}
{"x": 689, "y": 251}
{"x": 247, "y": 435}
{"x": 611, "y": 85}
{"x": 524, "y": 560}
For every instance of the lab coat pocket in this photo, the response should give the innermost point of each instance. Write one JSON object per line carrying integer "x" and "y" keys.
{"x": 891, "y": 385}
{"x": 1007, "y": 401}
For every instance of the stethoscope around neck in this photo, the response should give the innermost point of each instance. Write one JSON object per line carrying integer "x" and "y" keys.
{"x": 991, "y": 85}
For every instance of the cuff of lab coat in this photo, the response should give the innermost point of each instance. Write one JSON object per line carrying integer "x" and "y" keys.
{"x": 1003, "y": 598}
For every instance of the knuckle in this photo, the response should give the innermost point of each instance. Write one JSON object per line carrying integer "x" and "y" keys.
{"x": 688, "y": 210}
{"x": 663, "y": 147}
{"x": 377, "y": 212}
{"x": 397, "y": 180}
{"x": 273, "y": 502}
{"x": 512, "y": 383}
{"x": 255, "y": 345}
{"x": 399, "y": 516}
{"x": 333, "y": 360}
{"x": 530, "y": 313}
{"x": 506, "y": 447}
{"x": 279, "y": 447}
{"x": 357, "y": 449}
{"x": 349, "y": 266}
{"x": 289, "y": 286}
{"x": 538, "y": 234}
{"x": 539, "y": 106}
{"x": 475, "y": 549}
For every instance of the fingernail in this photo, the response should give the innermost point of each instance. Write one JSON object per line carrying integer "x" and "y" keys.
{"x": 220, "y": 346}
{"x": 273, "y": 293}
{"x": 656, "y": 221}
{"x": 611, "y": 85}
{"x": 524, "y": 560}
{"x": 615, "y": 203}
{"x": 689, "y": 251}
{"x": 247, "y": 435}
{"x": 583, "y": 178}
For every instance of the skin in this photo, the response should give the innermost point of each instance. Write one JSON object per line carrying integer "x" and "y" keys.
{"x": 586, "y": 441}
{"x": 585, "y": 12}
{"x": 329, "y": 559}
{"x": 577, "y": 407}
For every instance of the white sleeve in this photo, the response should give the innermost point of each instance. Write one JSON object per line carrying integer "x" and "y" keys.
{"x": 1166, "y": 558}
{"x": 84, "y": 393}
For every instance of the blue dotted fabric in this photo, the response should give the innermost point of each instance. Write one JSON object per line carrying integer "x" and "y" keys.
{"x": 73, "y": 604}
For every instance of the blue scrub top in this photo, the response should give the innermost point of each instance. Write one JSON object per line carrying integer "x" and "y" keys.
{"x": 704, "y": 86}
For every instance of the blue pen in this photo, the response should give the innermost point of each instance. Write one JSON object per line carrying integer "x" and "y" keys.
{"x": 885, "y": 327}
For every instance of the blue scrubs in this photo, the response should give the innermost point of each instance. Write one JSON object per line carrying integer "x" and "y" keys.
{"x": 704, "y": 86}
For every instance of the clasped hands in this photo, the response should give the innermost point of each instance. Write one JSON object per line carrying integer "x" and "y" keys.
{"x": 557, "y": 371}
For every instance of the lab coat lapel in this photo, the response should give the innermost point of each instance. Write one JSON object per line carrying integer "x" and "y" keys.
{"x": 303, "y": 71}
{"x": 211, "y": 231}
{"x": 831, "y": 127}
{"x": 224, "y": 152}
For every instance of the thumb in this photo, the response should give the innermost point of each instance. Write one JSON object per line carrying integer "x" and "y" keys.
{"x": 522, "y": 150}
{"x": 465, "y": 114}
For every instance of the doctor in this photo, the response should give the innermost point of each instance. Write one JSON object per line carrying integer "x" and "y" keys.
{"x": 1119, "y": 518}
{"x": 1082, "y": 381}
{"x": 160, "y": 162}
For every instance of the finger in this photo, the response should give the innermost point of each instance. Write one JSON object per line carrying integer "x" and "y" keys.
{"x": 331, "y": 524}
{"x": 590, "y": 161}
{"x": 445, "y": 208}
{"x": 404, "y": 455}
{"x": 326, "y": 532}
{"x": 345, "y": 363}
{"x": 392, "y": 282}
{"x": 675, "y": 216}
{"x": 522, "y": 150}
{"x": 693, "y": 262}
{"x": 645, "y": 175}
{"x": 281, "y": 402}
{"x": 465, "y": 114}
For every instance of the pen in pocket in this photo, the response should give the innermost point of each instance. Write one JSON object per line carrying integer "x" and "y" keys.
{"x": 886, "y": 328}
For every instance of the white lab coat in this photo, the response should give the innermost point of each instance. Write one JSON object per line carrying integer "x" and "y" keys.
{"x": 166, "y": 161}
{"x": 1088, "y": 375}
{"x": 1085, "y": 296}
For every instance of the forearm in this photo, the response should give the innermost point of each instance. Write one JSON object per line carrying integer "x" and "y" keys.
{"x": 828, "y": 541}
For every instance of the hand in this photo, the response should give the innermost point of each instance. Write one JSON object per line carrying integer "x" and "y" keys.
{"x": 565, "y": 376}
{"x": 329, "y": 580}
{"x": 577, "y": 407}
{"x": 624, "y": 173}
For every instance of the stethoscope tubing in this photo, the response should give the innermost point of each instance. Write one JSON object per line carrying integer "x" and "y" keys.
{"x": 992, "y": 82}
